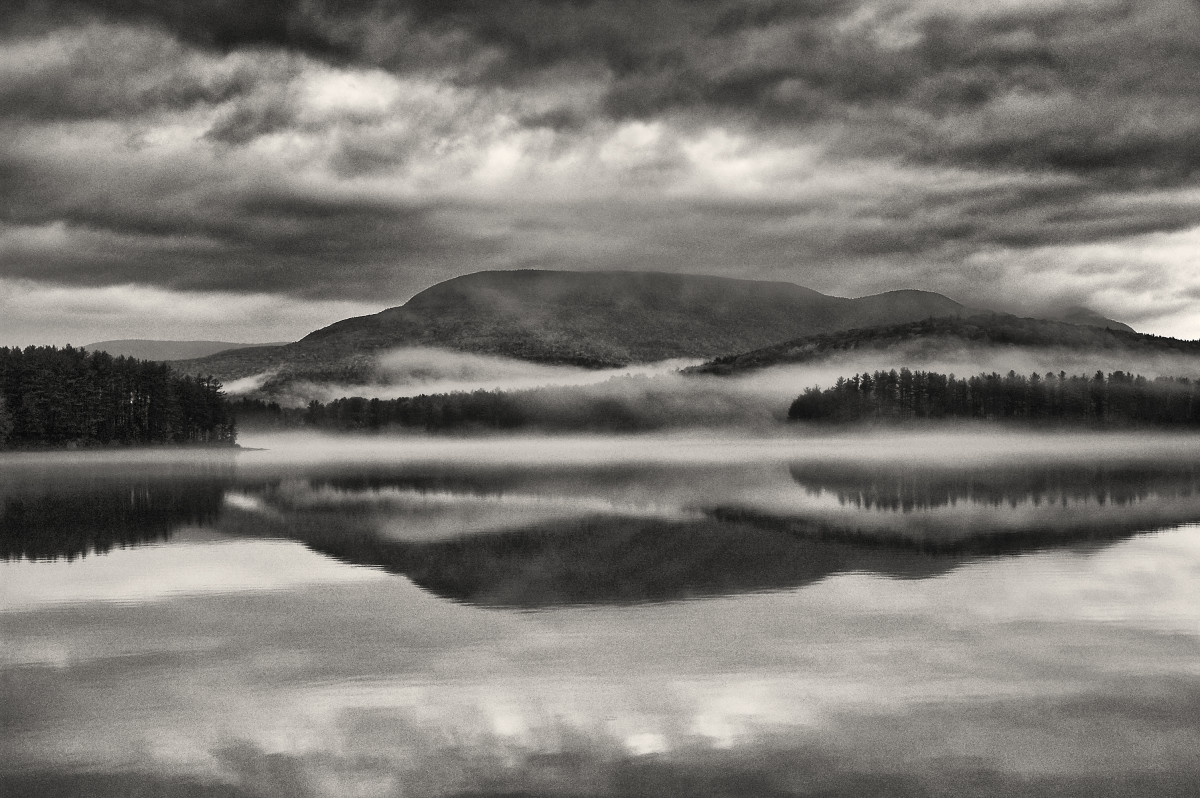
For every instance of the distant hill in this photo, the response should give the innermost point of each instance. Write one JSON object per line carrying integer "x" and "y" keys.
{"x": 145, "y": 349}
{"x": 613, "y": 318}
{"x": 592, "y": 319}
{"x": 935, "y": 336}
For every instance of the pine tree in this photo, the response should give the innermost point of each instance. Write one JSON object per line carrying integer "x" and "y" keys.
{"x": 6, "y": 422}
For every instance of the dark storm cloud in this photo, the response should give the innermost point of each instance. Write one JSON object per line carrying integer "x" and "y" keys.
{"x": 216, "y": 23}
{"x": 1103, "y": 89}
{"x": 780, "y": 60}
{"x": 100, "y": 71}
{"x": 210, "y": 237}
{"x": 943, "y": 129}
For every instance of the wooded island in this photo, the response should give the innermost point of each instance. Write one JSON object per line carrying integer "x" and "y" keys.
{"x": 69, "y": 397}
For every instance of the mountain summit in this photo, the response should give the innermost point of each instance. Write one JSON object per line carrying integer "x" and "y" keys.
{"x": 613, "y": 318}
{"x": 590, "y": 319}
{"x": 594, "y": 319}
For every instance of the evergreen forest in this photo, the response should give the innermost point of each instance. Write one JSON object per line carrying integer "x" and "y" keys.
{"x": 1113, "y": 399}
{"x": 539, "y": 408}
{"x": 69, "y": 397}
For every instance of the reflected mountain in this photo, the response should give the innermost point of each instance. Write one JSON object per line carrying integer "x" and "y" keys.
{"x": 606, "y": 560}
{"x": 633, "y": 561}
{"x": 453, "y": 538}
{"x": 531, "y": 539}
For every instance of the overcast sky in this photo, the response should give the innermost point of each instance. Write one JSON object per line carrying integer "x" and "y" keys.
{"x": 255, "y": 170}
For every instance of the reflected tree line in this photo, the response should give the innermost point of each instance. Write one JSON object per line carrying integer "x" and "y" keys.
{"x": 584, "y": 559}
{"x": 1114, "y": 399}
{"x": 51, "y": 397}
{"x": 915, "y": 488}
{"x": 551, "y": 409}
{"x": 69, "y": 523}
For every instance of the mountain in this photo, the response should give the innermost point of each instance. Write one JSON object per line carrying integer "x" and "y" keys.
{"x": 144, "y": 349}
{"x": 929, "y": 338}
{"x": 611, "y": 318}
{"x": 592, "y": 319}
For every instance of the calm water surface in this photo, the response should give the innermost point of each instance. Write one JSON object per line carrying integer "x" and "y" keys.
{"x": 903, "y": 615}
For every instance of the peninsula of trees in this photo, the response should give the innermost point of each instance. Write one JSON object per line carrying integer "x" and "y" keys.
{"x": 56, "y": 398}
{"x": 1114, "y": 399}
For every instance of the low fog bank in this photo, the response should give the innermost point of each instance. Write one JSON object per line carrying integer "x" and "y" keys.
{"x": 655, "y": 396}
{"x": 412, "y": 371}
{"x": 974, "y": 445}
{"x": 415, "y": 371}
{"x": 157, "y": 461}
{"x": 790, "y": 379}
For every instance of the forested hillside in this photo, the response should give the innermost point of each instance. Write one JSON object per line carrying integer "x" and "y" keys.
{"x": 928, "y": 339}
{"x": 1114, "y": 399}
{"x": 52, "y": 397}
{"x": 589, "y": 319}
{"x": 146, "y": 349}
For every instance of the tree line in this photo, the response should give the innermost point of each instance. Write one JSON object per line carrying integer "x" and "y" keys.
{"x": 547, "y": 409}
{"x": 51, "y": 397}
{"x": 1104, "y": 399}
{"x": 429, "y": 412}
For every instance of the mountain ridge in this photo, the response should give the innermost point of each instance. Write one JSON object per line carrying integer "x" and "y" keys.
{"x": 590, "y": 319}
{"x": 597, "y": 319}
{"x": 160, "y": 350}
{"x": 929, "y": 337}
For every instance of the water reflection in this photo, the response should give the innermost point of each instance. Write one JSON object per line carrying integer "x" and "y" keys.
{"x": 912, "y": 488}
{"x": 73, "y": 510}
{"x": 597, "y": 560}
{"x": 554, "y": 538}
{"x": 847, "y": 633}
{"x": 981, "y": 511}
{"x": 543, "y": 537}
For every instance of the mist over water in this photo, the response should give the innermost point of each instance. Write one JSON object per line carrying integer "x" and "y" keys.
{"x": 966, "y": 443}
{"x": 976, "y": 612}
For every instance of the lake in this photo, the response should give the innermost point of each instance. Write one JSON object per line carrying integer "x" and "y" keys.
{"x": 888, "y": 614}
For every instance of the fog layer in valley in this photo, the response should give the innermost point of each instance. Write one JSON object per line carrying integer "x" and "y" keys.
{"x": 965, "y": 362}
{"x": 412, "y": 371}
{"x": 660, "y": 395}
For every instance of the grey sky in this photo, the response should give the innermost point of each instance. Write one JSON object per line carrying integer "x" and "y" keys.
{"x": 200, "y": 168}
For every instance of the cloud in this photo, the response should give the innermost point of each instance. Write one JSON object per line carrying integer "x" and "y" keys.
{"x": 41, "y": 313}
{"x": 1151, "y": 280}
{"x": 365, "y": 150}
{"x": 110, "y": 71}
